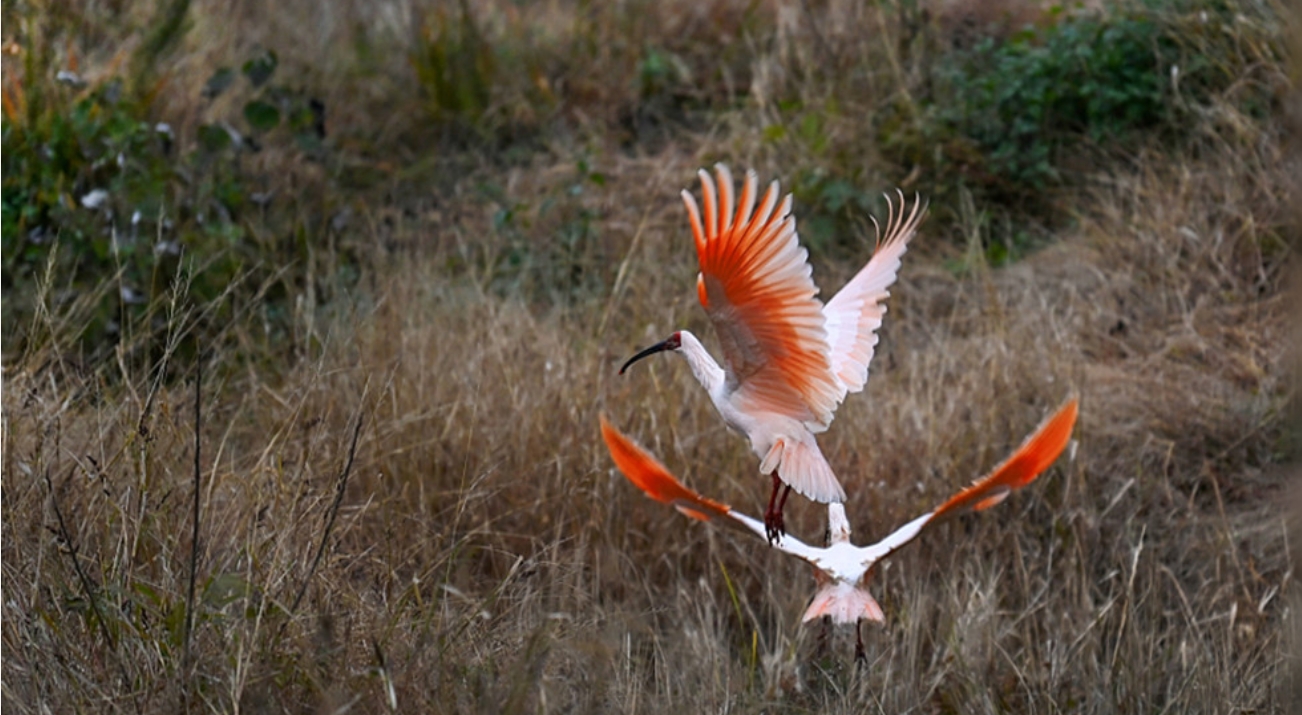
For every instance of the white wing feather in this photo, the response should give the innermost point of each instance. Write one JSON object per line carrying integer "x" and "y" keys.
{"x": 855, "y": 313}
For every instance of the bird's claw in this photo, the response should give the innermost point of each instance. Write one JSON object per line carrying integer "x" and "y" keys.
{"x": 774, "y": 527}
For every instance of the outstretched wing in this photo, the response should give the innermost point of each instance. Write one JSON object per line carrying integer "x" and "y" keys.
{"x": 657, "y": 482}
{"x": 654, "y": 479}
{"x": 756, "y": 286}
{"x": 1028, "y": 462}
{"x": 855, "y": 313}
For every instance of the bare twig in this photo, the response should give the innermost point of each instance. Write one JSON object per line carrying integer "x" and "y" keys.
{"x": 86, "y": 584}
{"x": 194, "y": 528}
{"x": 340, "y": 486}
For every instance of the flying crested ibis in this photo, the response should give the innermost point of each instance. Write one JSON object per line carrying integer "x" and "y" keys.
{"x": 789, "y": 359}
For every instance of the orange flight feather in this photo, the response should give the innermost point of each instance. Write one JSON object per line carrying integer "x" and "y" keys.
{"x": 654, "y": 479}
{"x": 757, "y": 288}
{"x": 1033, "y": 457}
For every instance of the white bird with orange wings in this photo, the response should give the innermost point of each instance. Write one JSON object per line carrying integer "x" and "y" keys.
{"x": 841, "y": 568}
{"x": 789, "y": 360}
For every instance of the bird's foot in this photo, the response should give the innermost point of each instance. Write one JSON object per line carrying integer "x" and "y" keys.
{"x": 774, "y": 526}
{"x": 860, "y": 656}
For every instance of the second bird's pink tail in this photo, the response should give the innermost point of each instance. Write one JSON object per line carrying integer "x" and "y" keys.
{"x": 844, "y": 603}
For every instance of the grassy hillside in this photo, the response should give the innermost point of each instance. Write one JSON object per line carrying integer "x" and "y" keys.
{"x": 350, "y": 282}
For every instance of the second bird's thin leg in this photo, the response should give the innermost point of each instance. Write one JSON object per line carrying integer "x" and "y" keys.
{"x": 824, "y": 631}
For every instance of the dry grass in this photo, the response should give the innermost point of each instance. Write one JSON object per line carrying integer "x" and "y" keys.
{"x": 486, "y": 557}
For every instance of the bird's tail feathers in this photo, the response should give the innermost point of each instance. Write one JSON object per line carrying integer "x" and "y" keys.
{"x": 801, "y": 464}
{"x": 844, "y": 603}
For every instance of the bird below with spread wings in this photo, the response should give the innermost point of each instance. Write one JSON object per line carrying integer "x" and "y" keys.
{"x": 789, "y": 359}
{"x": 841, "y": 568}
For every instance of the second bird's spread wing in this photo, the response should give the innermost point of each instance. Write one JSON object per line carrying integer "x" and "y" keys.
{"x": 1035, "y": 455}
{"x": 855, "y": 313}
{"x": 656, "y": 481}
{"x": 1031, "y": 459}
{"x": 756, "y": 286}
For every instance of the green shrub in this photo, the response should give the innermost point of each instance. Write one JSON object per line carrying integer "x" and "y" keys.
{"x": 109, "y": 203}
{"x": 1007, "y": 118}
{"x": 1022, "y": 102}
{"x": 85, "y": 171}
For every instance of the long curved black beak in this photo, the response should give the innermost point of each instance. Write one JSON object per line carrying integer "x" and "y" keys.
{"x": 657, "y": 348}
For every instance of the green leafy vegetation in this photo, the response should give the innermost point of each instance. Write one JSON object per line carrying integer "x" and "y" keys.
{"x": 1014, "y": 118}
{"x": 565, "y": 269}
{"x": 1020, "y": 118}
{"x": 97, "y": 193}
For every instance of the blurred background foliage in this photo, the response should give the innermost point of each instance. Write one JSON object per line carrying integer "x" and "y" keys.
{"x": 154, "y": 146}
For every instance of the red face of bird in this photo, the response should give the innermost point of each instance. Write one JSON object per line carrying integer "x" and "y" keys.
{"x": 674, "y": 342}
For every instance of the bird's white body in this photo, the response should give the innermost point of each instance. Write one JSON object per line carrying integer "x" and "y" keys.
{"x": 789, "y": 359}
{"x": 842, "y": 566}
{"x": 780, "y": 441}
{"x": 764, "y": 429}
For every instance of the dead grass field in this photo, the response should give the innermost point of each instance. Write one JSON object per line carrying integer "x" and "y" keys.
{"x": 416, "y": 513}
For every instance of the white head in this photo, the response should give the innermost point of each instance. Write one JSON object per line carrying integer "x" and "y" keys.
{"x": 706, "y": 370}
{"x": 838, "y": 526}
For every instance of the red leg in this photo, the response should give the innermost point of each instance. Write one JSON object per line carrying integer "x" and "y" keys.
{"x": 860, "y": 657}
{"x": 773, "y": 526}
{"x": 777, "y": 523}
